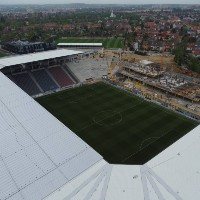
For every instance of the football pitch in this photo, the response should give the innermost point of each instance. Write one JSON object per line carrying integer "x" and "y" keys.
{"x": 122, "y": 127}
{"x": 107, "y": 42}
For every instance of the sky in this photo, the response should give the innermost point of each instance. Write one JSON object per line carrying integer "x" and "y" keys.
{"x": 100, "y": 1}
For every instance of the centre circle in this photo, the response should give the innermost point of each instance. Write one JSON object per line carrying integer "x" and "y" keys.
{"x": 107, "y": 118}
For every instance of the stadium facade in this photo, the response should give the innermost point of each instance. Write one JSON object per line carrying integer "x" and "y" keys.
{"x": 40, "y": 158}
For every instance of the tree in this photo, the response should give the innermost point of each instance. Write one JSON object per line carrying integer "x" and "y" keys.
{"x": 173, "y": 30}
{"x": 194, "y": 64}
{"x": 145, "y": 36}
{"x": 183, "y": 30}
{"x": 179, "y": 53}
{"x": 142, "y": 26}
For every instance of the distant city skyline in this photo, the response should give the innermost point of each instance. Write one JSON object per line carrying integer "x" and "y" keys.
{"x": 99, "y": 2}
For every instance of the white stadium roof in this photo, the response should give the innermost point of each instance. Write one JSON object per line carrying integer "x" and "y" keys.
{"x": 38, "y": 154}
{"x": 80, "y": 44}
{"x": 21, "y": 59}
{"x": 40, "y": 158}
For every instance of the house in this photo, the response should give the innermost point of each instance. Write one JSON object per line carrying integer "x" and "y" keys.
{"x": 50, "y": 26}
{"x": 196, "y": 28}
{"x": 190, "y": 47}
{"x": 196, "y": 52}
{"x": 151, "y": 25}
{"x": 68, "y": 27}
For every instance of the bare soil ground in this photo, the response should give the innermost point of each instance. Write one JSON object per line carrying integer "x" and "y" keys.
{"x": 166, "y": 61}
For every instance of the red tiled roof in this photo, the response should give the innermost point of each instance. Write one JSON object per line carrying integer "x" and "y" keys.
{"x": 150, "y": 24}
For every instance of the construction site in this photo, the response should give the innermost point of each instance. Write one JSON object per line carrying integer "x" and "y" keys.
{"x": 156, "y": 78}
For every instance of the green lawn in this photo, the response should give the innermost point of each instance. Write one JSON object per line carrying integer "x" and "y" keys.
{"x": 123, "y": 128}
{"x": 107, "y": 42}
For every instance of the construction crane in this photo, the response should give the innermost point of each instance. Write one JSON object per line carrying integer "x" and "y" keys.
{"x": 163, "y": 53}
{"x": 109, "y": 70}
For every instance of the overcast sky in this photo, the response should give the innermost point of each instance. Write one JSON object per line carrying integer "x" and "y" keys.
{"x": 100, "y": 1}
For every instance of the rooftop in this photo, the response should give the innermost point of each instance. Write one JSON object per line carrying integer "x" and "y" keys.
{"x": 80, "y": 44}
{"x": 32, "y": 57}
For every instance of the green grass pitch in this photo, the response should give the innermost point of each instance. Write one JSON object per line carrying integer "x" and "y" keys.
{"x": 123, "y": 128}
{"x": 107, "y": 42}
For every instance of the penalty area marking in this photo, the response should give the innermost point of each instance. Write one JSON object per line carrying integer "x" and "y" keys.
{"x": 145, "y": 146}
{"x": 147, "y": 140}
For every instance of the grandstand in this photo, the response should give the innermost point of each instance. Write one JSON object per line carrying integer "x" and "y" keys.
{"x": 44, "y": 80}
{"x": 90, "y": 68}
{"x": 40, "y": 158}
{"x": 62, "y": 78}
{"x": 40, "y": 72}
{"x": 24, "y": 81}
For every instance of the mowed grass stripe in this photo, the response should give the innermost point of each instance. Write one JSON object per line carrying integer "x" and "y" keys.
{"x": 127, "y": 122}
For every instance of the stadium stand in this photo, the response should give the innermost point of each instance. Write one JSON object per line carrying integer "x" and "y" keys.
{"x": 60, "y": 76}
{"x": 44, "y": 80}
{"x": 11, "y": 78}
{"x": 88, "y": 68}
{"x": 24, "y": 81}
{"x": 71, "y": 74}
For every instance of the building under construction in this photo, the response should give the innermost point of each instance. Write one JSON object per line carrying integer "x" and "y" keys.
{"x": 152, "y": 75}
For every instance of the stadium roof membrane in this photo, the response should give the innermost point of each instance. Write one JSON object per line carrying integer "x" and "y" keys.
{"x": 40, "y": 158}
{"x": 81, "y": 44}
{"x": 33, "y": 57}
